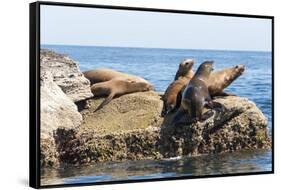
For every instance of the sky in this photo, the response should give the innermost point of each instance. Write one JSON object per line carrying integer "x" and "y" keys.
{"x": 122, "y": 28}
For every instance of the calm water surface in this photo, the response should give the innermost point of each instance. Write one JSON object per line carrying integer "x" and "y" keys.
{"x": 159, "y": 67}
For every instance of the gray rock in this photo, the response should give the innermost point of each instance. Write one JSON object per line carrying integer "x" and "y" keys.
{"x": 58, "y": 111}
{"x": 66, "y": 75}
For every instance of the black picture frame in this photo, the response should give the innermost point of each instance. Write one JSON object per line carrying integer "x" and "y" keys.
{"x": 34, "y": 90}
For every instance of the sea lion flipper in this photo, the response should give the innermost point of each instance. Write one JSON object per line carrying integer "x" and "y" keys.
{"x": 227, "y": 94}
{"x": 223, "y": 94}
{"x": 216, "y": 106}
{"x": 178, "y": 102}
{"x": 219, "y": 107}
{"x": 106, "y": 101}
{"x": 179, "y": 117}
{"x": 206, "y": 115}
{"x": 164, "y": 109}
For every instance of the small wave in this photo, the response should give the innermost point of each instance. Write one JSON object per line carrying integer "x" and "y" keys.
{"x": 173, "y": 158}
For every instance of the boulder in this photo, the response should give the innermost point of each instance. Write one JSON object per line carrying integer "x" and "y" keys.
{"x": 58, "y": 111}
{"x": 66, "y": 74}
{"x": 125, "y": 129}
{"x": 128, "y": 112}
{"x": 130, "y": 128}
{"x": 61, "y": 84}
{"x": 241, "y": 126}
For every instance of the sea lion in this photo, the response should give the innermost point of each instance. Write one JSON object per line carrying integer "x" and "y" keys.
{"x": 196, "y": 95}
{"x": 219, "y": 80}
{"x": 184, "y": 69}
{"x": 117, "y": 87}
{"x": 105, "y": 74}
{"x": 184, "y": 75}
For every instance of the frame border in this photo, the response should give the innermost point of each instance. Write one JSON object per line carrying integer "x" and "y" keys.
{"x": 34, "y": 91}
{"x": 34, "y": 95}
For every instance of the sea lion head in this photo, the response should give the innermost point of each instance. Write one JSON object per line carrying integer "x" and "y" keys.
{"x": 142, "y": 86}
{"x": 205, "y": 68}
{"x": 185, "y": 69}
{"x": 235, "y": 72}
{"x": 149, "y": 87}
{"x": 239, "y": 69}
{"x": 186, "y": 64}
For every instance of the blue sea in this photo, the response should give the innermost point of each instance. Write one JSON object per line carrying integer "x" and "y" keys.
{"x": 159, "y": 67}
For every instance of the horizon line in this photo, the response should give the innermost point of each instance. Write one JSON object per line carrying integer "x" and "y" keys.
{"x": 265, "y": 51}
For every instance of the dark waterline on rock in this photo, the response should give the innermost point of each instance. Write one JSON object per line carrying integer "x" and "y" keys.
{"x": 159, "y": 66}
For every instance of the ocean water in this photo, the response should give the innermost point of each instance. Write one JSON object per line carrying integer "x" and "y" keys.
{"x": 159, "y": 67}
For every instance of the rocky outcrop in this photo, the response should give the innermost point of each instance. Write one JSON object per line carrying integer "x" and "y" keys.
{"x": 60, "y": 80}
{"x": 241, "y": 126}
{"x": 66, "y": 74}
{"x": 57, "y": 111}
{"x": 125, "y": 129}
{"x": 130, "y": 127}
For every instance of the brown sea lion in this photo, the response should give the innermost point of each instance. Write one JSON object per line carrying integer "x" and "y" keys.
{"x": 169, "y": 98}
{"x": 184, "y": 69}
{"x": 104, "y": 74}
{"x": 117, "y": 87}
{"x": 219, "y": 80}
{"x": 195, "y": 96}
